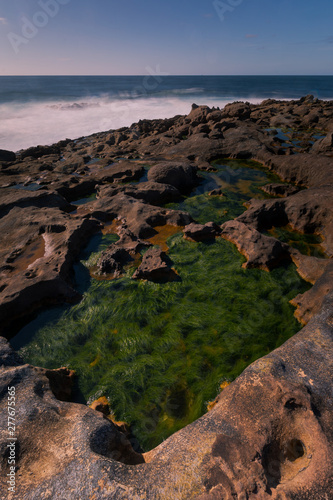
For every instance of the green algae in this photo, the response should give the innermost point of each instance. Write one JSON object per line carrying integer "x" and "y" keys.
{"x": 239, "y": 180}
{"x": 159, "y": 352}
{"x": 307, "y": 244}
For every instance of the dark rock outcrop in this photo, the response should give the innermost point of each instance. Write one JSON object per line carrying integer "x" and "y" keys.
{"x": 112, "y": 260}
{"x": 156, "y": 266}
{"x": 202, "y": 232}
{"x": 7, "y": 155}
{"x": 261, "y": 251}
{"x": 281, "y": 190}
{"x": 324, "y": 146}
{"x": 154, "y": 193}
{"x": 140, "y": 217}
{"x": 182, "y": 176}
{"x": 38, "y": 151}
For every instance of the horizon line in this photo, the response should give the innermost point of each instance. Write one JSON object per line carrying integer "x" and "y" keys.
{"x": 174, "y": 75}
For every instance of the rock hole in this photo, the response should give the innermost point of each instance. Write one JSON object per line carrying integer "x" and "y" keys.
{"x": 280, "y": 461}
{"x": 291, "y": 404}
{"x": 271, "y": 462}
{"x": 109, "y": 442}
{"x": 294, "y": 449}
{"x": 315, "y": 410}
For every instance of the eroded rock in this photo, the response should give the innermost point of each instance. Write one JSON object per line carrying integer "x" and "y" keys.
{"x": 182, "y": 176}
{"x": 261, "y": 251}
{"x": 202, "y": 232}
{"x": 156, "y": 266}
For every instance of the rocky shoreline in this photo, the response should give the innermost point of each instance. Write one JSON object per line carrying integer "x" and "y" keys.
{"x": 269, "y": 435}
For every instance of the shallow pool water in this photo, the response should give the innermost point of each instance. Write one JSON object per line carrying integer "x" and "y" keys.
{"x": 159, "y": 352}
{"x": 307, "y": 244}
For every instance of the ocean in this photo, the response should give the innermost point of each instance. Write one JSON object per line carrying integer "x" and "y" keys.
{"x": 45, "y": 109}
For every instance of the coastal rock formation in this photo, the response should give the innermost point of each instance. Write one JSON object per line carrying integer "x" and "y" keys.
{"x": 7, "y": 155}
{"x": 324, "y": 146}
{"x": 156, "y": 266}
{"x": 201, "y": 232}
{"x": 154, "y": 193}
{"x": 281, "y": 190}
{"x": 112, "y": 260}
{"x": 269, "y": 435}
{"x": 38, "y": 252}
{"x": 261, "y": 251}
{"x": 140, "y": 217}
{"x": 182, "y": 176}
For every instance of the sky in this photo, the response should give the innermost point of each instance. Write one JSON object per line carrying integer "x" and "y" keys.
{"x": 175, "y": 37}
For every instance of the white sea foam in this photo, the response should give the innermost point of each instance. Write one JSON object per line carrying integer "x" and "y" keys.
{"x": 33, "y": 123}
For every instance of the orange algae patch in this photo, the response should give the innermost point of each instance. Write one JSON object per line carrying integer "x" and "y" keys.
{"x": 111, "y": 227}
{"x": 33, "y": 251}
{"x": 213, "y": 403}
{"x": 163, "y": 233}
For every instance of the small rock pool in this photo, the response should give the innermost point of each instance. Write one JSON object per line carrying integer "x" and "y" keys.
{"x": 161, "y": 352}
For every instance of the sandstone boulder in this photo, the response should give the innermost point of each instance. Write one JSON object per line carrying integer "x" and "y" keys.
{"x": 261, "y": 251}
{"x": 156, "y": 266}
{"x": 201, "y": 232}
{"x": 182, "y": 176}
{"x": 240, "y": 110}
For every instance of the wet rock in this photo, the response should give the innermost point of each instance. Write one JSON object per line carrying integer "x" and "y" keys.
{"x": 112, "y": 260}
{"x": 154, "y": 193}
{"x": 312, "y": 302}
{"x": 42, "y": 276}
{"x": 156, "y": 266}
{"x": 140, "y": 217}
{"x": 308, "y": 211}
{"x": 201, "y": 232}
{"x": 38, "y": 151}
{"x": 261, "y": 251}
{"x": 61, "y": 382}
{"x": 7, "y": 155}
{"x": 12, "y": 198}
{"x": 280, "y": 189}
{"x": 324, "y": 146}
{"x": 122, "y": 171}
{"x": 182, "y": 176}
{"x": 74, "y": 188}
{"x": 304, "y": 169}
{"x": 240, "y": 110}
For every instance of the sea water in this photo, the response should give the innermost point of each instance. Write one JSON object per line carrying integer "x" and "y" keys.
{"x": 45, "y": 109}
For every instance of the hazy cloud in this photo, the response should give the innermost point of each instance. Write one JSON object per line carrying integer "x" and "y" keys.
{"x": 3, "y": 20}
{"x": 251, "y": 36}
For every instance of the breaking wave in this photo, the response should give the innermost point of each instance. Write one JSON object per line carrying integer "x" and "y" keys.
{"x": 29, "y": 124}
